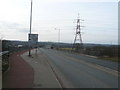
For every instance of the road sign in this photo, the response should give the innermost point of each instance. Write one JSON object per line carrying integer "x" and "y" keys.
{"x": 33, "y": 38}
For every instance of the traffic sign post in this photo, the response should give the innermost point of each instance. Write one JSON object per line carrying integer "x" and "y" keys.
{"x": 33, "y": 40}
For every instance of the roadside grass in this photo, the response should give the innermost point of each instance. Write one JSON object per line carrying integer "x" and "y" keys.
{"x": 66, "y": 49}
{"x": 113, "y": 59}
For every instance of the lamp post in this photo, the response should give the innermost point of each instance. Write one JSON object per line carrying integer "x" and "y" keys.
{"x": 30, "y": 27}
{"x": 58, "y": 35}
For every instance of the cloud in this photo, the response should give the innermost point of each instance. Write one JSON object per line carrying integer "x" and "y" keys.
{"x": 79, "y": 1}
{"x": 6, "y": 26}
{"x": 23, "y": 30}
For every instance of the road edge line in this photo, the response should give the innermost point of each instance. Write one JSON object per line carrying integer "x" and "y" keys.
{"x": 56, "y": 76}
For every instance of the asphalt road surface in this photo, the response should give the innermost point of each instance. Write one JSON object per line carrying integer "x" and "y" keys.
{"x": 79, "y": 71}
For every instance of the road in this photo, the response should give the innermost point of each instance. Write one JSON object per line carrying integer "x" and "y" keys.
{"x": 79, "y": 71}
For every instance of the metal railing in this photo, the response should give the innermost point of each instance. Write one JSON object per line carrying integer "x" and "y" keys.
{"x": 3, "y": 53}
{"x": 5, "y": 60}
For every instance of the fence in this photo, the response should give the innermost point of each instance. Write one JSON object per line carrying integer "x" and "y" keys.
{"x": 5, "y": 60}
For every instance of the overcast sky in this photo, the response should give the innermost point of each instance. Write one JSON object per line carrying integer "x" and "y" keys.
{"x": 101, "y": 20}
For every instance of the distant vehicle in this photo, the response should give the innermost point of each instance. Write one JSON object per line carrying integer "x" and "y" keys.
{"x": 19, "y": 46}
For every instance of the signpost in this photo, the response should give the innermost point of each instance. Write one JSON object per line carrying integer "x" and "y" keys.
{"x": 33, "y": 40}
{"x": 30, "y": 28}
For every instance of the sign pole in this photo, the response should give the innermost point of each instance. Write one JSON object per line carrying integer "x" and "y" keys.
{"x": 30, "y": 28}
{"x": 36, "y": 48}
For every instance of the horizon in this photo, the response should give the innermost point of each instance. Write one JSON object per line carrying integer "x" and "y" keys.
{"x": 59, "y": 42}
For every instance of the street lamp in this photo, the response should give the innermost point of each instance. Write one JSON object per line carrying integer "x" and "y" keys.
{"x": 58, "y": 35}
{"x": 30, "y": 27}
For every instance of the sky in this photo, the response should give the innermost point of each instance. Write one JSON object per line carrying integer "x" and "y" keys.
{"x": 100, "y": 20}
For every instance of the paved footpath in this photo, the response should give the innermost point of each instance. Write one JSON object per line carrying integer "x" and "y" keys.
{"x": 43, "y": 74}
{"x": 29, "y": 72}
{"x": 20, "y": 74}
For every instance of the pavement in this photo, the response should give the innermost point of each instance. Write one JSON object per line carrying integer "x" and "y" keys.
{"x": 44, "y": 77}
{"x": 29, "y": 72}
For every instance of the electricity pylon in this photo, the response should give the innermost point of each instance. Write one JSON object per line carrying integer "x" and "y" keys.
{"x": 78, "y": 37}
